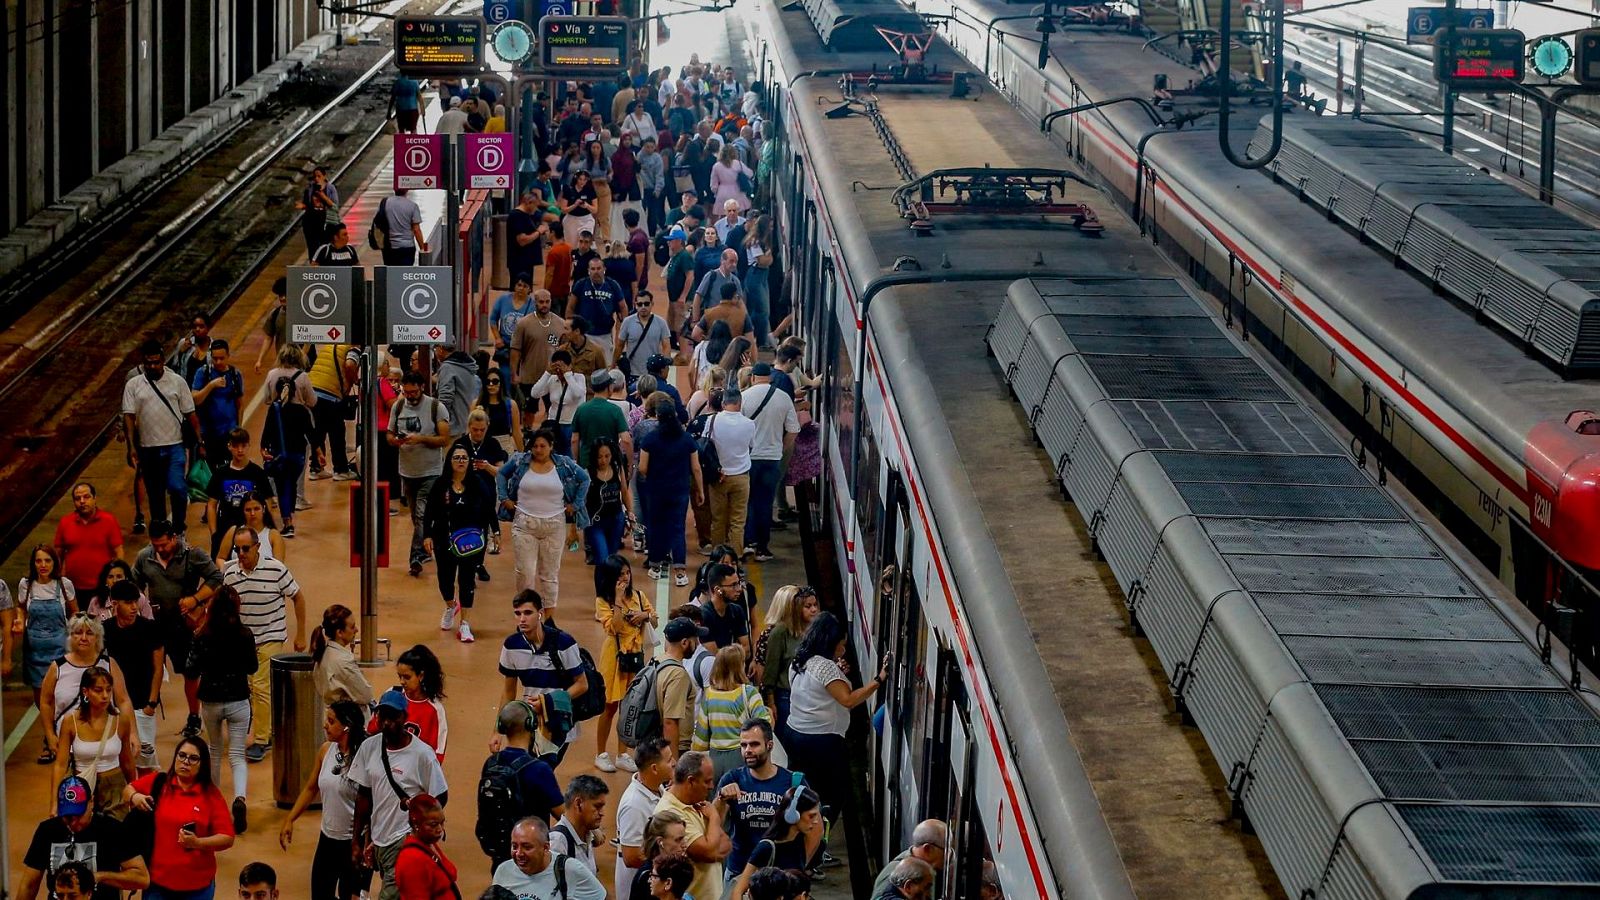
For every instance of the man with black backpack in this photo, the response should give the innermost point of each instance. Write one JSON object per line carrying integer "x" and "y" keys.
{"x": 540, "y": 661}
{"x": 515, "y": 784}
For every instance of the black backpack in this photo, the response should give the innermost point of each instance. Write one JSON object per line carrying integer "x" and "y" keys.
{"x": 661, "y": 252}
{"x": 499, "y": 804}
{"x": 710, "y": 460}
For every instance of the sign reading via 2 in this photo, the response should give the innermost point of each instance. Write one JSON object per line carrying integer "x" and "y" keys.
{"x": 1482, "y": 61}
{"x": 438, "y": 45}
{"x": 584, "y": 45}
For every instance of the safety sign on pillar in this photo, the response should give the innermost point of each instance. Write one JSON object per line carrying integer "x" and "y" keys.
{"x": 418, "y": 161}
{"x": 491, "y": 161}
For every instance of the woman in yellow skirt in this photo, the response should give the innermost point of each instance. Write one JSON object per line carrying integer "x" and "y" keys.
{"x": 624, "y": 614}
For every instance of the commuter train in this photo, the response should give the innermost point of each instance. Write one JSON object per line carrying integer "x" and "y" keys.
{"x": 1489, "y": 416}
{"x": 917, "y": 210}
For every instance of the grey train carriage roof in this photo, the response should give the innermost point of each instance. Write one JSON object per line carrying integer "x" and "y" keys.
{"x": 1525, "y": 266}
{"x": 1386, "y": 728}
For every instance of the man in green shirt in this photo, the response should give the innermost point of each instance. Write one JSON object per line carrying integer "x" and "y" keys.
{"x": 598, "y": 419}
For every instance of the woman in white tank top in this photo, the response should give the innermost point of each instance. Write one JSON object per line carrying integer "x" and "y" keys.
{"x": 97, "y": 744}
{"x": 255, "y": 518}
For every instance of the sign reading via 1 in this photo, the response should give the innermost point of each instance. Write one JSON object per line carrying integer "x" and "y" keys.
{"x": 584, "y": 45}
{"x": 438, "y": 45}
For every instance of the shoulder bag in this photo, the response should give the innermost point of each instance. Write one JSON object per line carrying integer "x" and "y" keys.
{"x": 388, "y": 771}
{"x": 593, "y": 700}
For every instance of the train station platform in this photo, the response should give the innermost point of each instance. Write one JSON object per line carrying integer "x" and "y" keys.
{"x": 407, "y": 608}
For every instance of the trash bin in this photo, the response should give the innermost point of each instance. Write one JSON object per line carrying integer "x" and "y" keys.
{"x": 296, "y": 725}
{"x": 499, "y": 270}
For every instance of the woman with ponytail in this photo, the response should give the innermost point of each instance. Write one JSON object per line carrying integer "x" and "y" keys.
{"x": 333, "y": 874}
{"x": 337, "y": 674}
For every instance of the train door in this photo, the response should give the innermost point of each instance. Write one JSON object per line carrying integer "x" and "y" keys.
{"x": 897, "y": 622}
{"x": 969, "y": 872}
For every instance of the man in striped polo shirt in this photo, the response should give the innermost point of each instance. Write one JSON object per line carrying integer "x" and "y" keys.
{"x": 539, "y": 658}
{"x": 265, "y": 589}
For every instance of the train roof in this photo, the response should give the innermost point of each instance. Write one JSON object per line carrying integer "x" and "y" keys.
{"x": 1440, "y": 344}
{"x": 1527, "y": 267}
{"x": 1398, "y": 732}
{"x": 990, "y": 496}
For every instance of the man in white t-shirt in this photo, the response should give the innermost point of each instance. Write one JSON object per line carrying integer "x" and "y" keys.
{"x": 654, "y": 758}
{"x": 265, "y": 588}
{"x": 531, "y": 872}
{"x": 734, "y": 435}
{"x": 776, "y": 423}
{"x": 396, "y": 763}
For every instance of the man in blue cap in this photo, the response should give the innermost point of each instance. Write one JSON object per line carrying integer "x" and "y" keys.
{"x": 387, "y": 773}
{"x": 679, "y": 276}
{"x": 76, "y": 835}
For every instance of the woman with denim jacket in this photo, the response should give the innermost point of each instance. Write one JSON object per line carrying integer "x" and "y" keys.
{"x": 539, "y": 491}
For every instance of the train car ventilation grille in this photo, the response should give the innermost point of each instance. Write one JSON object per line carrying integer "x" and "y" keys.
{"x": 1548, "y": 845}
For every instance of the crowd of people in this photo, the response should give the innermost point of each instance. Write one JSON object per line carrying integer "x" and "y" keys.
{"x": 568, "y": 434}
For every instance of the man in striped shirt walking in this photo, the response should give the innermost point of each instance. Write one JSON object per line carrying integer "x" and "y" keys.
{"x": 265, "y": 590}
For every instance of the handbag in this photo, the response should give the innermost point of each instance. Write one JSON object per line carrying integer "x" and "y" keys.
{"x": 375, "y": 229}
{"x": 199, "y": 479}
{"x": 93, "y": 775}
{"x": 465, "y": 542}
{"x": 628, "y": 663}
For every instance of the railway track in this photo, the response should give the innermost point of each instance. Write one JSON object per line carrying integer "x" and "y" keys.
{"x": 63, "y": 363}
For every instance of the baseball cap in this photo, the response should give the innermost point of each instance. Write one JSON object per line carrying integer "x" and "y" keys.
{"x": 394, "y": 699}
{"x": 455, "y": 102}
{"x": 656, "y": 363}
{"x": 684, "y": 627}
{"x": 72, "y": 797}
{"x": 677, "y": 234}
{"x": 761, "y": 370}
{"x": 601, "y": 378}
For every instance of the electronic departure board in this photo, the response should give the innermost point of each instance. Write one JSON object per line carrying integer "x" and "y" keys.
{"x": 1484, "y": 59}
{"x": 584, "y": 45}
{"x": 438, "y": 45}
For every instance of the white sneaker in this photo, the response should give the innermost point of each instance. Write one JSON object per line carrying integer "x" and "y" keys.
{"x": 320, "y": 475}
{"x": 344, "y": 476}
{"x": 603, "y": 763}
{"x": 681, "y": 578}
{"x": 465, "y": 633}
{"x": 301, "y": 503}
{"x": 448, "y": 620}
{"x": 626, "y": 763}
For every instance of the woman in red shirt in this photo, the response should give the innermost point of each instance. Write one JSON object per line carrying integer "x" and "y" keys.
{"x": 192, "y": 823}
{"x": 421, "y": 870}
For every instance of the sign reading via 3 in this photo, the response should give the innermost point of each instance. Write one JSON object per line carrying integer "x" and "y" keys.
{"x": 438, "y": 45}
{"x": 1483, "y": 60}
{"x": 321, "y": 307}
{"x": 584, "y": 45}
{"x": 419, "y": 304}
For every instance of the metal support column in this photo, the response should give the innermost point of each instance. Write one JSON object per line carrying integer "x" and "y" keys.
{"x": 371, "y": 515}
{"x": 1361, "y": 71}
{"x": 1449, "y": 51}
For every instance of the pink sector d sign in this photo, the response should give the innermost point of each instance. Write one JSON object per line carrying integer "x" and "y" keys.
{"x": 418, "y": 161}
{"x": 491, "y": 160}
